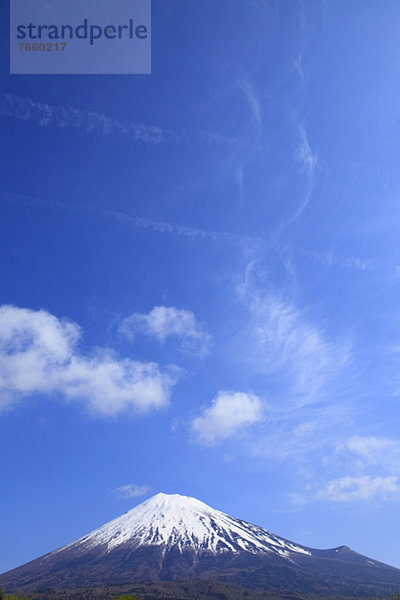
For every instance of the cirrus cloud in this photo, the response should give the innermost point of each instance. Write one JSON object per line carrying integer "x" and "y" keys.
{"x": 371, "y": 450}
{"x": 292, "y": 348}
{"x": 354, "y": 489}
{"x": 374, "y": 463}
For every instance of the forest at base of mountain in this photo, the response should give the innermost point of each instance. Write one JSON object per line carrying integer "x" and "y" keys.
{"x": 184, "y": 590}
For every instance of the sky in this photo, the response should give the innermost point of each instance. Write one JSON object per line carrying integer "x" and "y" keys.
{"x": 200, "y": 278}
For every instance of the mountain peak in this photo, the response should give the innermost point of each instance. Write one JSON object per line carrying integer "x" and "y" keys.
{"x": 182, "y": 522}
{"x": 169, "y": 501}
{"x": 170, "y": 537}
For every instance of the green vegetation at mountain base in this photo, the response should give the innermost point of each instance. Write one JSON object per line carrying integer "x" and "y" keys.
{"x": 16, "y": 597}
{"x": 391, "y": 597}
{"x": 185, "y": 590}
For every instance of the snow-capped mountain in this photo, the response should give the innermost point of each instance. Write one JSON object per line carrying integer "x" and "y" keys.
{"x": 173, "y": 538}
{"x": 181, "y": 522}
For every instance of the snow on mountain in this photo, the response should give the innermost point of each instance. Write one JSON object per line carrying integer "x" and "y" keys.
{"x": 174, "y": 539}
{"x": 184, "y": 522}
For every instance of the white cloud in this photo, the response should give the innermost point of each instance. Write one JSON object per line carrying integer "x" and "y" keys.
{"x": 372, "y": 462}
{"x": 229, "y": 413}
{"x": 374, "y": 450}
{"x": 162, "y": 322}
{"x": 305, "y": 369}
{"x": 294, "y": 349}
{"x": 354, "y": 489}
{"x": 39, "y": 355}
{"x": 131, "y": 491}
{"x": 375, "y": 455}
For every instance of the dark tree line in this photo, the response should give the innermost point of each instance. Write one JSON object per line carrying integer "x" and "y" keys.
{"x": 15, "y": 597}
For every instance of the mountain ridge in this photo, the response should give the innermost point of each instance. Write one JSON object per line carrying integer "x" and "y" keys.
{"x": 182, "y": 521}
{"x": 172, "y": 538}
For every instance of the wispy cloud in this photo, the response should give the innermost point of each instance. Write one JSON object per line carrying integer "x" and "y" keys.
{"x": 307, "y": 161}
{"x": 304, "y": 368}
{"x": 164, "y": 227}
{"x": 356, "y": 489}
{"x": 250, "y": 94}
{"x": 239, "y": 177}
{"x": 163, "y": 322}
{"x": 39, "y": 355}
{"x": 298, "y": 67}
{"x": 131, "y": 491}
{"x": 44, "y": 115}
{"x": 173, "y": 228}
{"x": 372, "y": 464}
{"x": 292, "y": 438}
{"x": 66, "y": 116}
{"x": 306, "y": 158}
{"x": 288, "y": 345}
{"x": 229, "y": 413}
{"x": 184, "y": 231}
{"x": 370, "y": 451}
{"x": 332, "y": 259}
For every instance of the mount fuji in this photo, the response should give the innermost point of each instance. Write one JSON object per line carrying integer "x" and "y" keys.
{"x": 171, "y": 538}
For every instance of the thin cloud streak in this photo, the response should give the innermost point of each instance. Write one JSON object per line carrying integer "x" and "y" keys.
{"x": 239, "y": 177}
{"x": 306, "y": 158}
{"x": 331, "y": 259}
{"x": 44, "y": 115}
{"x": 307, "y": 161}
{"x": 164, "y": 227}
{"x": 252, "y": 99}
{"x": 178, "y": 229}
{"x": 299, "y": 69}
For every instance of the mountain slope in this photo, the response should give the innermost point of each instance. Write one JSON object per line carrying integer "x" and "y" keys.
{"x": 181, "y": 522}
{"x": 176, "y": 538}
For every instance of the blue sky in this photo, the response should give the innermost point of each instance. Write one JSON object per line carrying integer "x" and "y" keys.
{"x": 200, "y": 278}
